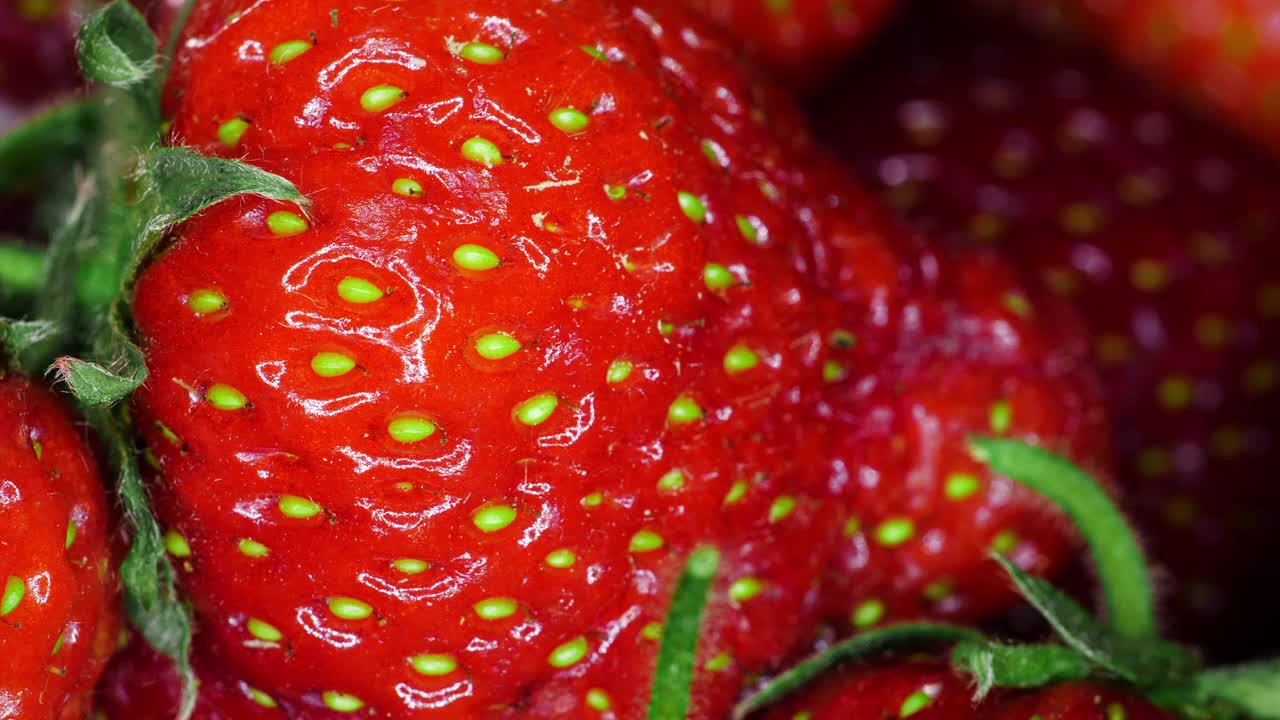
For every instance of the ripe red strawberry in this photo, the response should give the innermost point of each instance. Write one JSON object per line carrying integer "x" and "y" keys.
{"x": 804, "y": 38}
{"x": 929, "y": 690}
{"x": 523, "y": 357}
{"x": 1224, "y": 53}
{"x": 459, "y": 427}
{"x": 58, "y": 605}
{"x": 921, "y": 512}
{"x": 1157, "y": 227}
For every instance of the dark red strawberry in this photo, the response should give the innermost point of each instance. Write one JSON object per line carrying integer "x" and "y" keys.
{"x": 1225, "y": 54}
{"x": 929, "y": 690}
{"x": 37, "y": 60}
{"x": 803, "y": 38}
{"x": 141, "y": 684}
{"x": 58, "y": 604}
{"x": 1160, "y": 229}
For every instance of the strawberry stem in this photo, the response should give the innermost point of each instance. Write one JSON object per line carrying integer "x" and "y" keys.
{"x": 674, "y": 674}
{"x": 1121, "y": 567}
{"x": 902, "y": 637}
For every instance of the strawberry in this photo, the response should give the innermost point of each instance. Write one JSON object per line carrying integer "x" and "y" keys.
{"x": 1156, "y": 226}
{"x": 459, "y": 427}
{"x": 528, "y": 348}
{"x": 1225, "y": 54}
{"x": 799, "y": 37}
{"x": 58, "y": 606}
{"x": 141, "y": 684}
{"x": 925, "y": 689}
{"x": 36, "y": 56}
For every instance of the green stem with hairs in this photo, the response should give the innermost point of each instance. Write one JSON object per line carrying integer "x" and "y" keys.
{"x": 1120, "y": 563}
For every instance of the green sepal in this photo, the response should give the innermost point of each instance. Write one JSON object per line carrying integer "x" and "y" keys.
{"x": 116, "y": 47}
{"x": 18, "y": 335}
{"x": 1145, "y": 662}
{"x": 994, "y": 664}
{"x": 44, "y": 142}
{"x": 669, "y": 699}
{"x": 1253, "y": 690}
{"x": 151, "y": 598}
{"x": 904, "y": 637}
{"x": 178, "y": 185}
{"x": 1118, "y": 558}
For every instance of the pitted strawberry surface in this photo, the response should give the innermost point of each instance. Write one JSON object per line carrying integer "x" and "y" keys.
{"x": 58, "y": 604}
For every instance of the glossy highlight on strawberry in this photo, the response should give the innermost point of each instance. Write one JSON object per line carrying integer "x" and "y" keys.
{"x": 458, "y": 422}
{"x": 58, "y": 587}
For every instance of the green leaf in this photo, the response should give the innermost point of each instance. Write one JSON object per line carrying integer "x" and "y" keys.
{"x": 17, "y": 335}
{"x": 674, "y": 673}
{"x": 115, "y": 47}
{"x": 902, "y": 638}
{"x": 151, "y": 596}
{"x": 1143, "y": 662}
{"x": 43, "y": 142}
{"x": 183, "y": 183}
{"x": 178, "y": 184}
{"x": 1254, "y": 688}
{"x": 993, "y": 664}
{"x": 1121, "y": 567}
{"x": 96, "y": 386}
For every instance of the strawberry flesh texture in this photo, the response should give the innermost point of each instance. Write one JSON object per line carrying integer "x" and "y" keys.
{"x": 928, "y": 690}
{"x": 57, "y": 638}
{"x": 561, "y": 290}
{"x": 1159, "y": 228}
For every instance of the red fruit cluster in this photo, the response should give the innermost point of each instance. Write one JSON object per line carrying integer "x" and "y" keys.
{"x": 1159, "y": 228}
{"x": 58, "y": 613}
{"x": 564, "y": 306}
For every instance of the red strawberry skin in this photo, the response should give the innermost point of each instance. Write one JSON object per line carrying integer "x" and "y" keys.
{"x": 543, "y": 538}
{"x": 801, "y": 38}
{"x": 58, "y": 589}
{"x": 928, "y": 690}
{"x": 1157, "y": 227}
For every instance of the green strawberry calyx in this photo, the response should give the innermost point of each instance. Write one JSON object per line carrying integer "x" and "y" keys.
{"x": 1123, "y": 649}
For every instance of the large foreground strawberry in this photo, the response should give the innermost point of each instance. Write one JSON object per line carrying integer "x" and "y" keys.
{"x": 439, "y": 443}
{"x": 1159, "y": 228}
{"x": 546, "y": 326}
{"x": 58, "y": 604}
